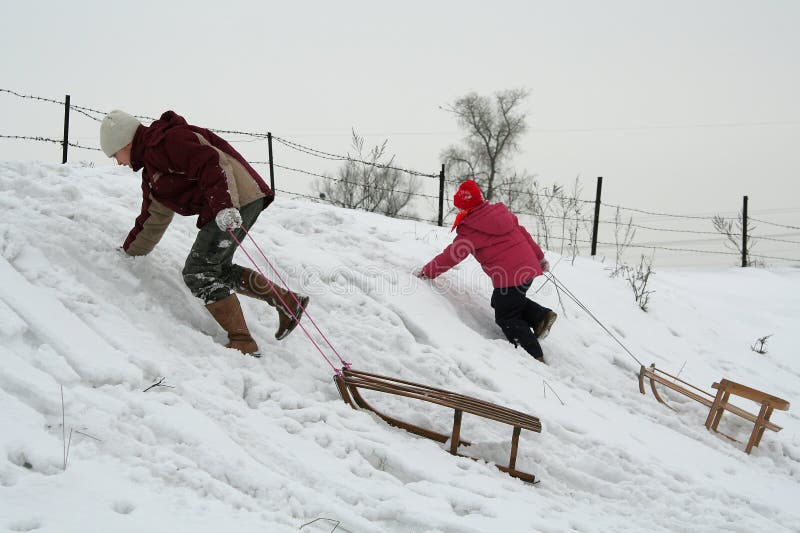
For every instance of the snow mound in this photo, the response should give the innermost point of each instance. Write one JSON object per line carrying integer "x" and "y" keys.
{"x": 225, "y": 442}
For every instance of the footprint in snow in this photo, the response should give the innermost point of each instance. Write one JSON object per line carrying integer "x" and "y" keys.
{"x": 29, "y": 524}
{"x": 123, "y": 507}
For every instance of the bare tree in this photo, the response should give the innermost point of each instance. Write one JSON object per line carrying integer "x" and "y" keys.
{"x": 732, "y": 230}
{"x": 368, "y": 180}
{"x": 494, "y": 126}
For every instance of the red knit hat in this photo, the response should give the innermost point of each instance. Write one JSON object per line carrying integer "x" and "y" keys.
{"x": 468, "y": 196}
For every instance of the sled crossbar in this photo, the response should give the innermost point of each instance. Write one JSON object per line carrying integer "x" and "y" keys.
{"x": 350, "y": 381}
{"x": 718, "y": 403}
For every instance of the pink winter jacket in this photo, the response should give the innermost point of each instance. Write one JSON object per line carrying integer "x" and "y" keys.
{"x": 505, "y": 250}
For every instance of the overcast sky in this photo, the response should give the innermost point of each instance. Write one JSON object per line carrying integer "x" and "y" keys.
{"x": 682, "y": 106}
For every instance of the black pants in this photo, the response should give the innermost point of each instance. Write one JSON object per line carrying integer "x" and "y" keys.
{"x": 516, "y": 314}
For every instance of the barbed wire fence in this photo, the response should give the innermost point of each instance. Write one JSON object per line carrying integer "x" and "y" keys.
{"x": 693, "y": 241}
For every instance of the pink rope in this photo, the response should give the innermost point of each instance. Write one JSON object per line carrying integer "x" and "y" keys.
{"x": 272, "y": 287}
{"x": 291, "y": 311}
{"x": 310, "y": 318}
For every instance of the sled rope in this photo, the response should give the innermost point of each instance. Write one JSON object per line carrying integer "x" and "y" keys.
{"x": 306, "y": 313}
{"x": 289, "y": 308}
{"x": 559, "y": 285}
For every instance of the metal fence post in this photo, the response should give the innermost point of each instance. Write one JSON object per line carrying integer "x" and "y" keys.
{"x": 271, "y": 170}
{"x": 65, "y": 142}
{"x": 596, "y": 214}
{"x": 744, "y": 232}
{"x": 441, "y": 196}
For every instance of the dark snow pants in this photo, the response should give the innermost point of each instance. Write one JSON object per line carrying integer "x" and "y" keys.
{"x": 209, "y": 271}
{"x": 516, "y": 314}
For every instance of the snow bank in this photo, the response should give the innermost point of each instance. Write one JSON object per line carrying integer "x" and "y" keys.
{"x": 233, "y": 443}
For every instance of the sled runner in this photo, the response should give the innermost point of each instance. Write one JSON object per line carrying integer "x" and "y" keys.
{"x": 718, "y": 403}
{"x": 350, "y": 381}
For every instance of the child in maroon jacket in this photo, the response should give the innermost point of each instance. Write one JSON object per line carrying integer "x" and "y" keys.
{"x": 190, "y": 170}
{"x": 508, "y": 255}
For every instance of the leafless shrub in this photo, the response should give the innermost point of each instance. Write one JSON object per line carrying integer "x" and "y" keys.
{"x": 368, "y": 181}
{"x": 624, "y": 232}
{"x": 159, "y": 383}
{"x": 638, "y": 278}
{"x": 569, "y": 210}
{"x": 760, "y": 345}
{"x": 733, "y": 230}
{"x": 67, "y": 440}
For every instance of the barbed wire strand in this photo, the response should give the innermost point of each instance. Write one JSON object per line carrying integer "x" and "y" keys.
{"x": 31, "y": 97}
{"x": 551, "y": 217}
{"x": 644, "y": 246}
{"x": 645, "y": 212}
{"x": 309, "y": 173}
{"x": 47, "y": 139}
{"x": 772, "y": 239}
{"x": 87, "y": 111}
{"x": 335, "y": 157}
{"x": 639, "y": 226}
{"x": 79, "y": 109}
{"x": 329, "y": 202}
{"x": 327, "y": 155}
{"x": 774, "y": 223}
{"x": 454, "y": 181}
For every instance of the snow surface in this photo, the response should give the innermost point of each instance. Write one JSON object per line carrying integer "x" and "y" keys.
{"x": 230, "y": 443}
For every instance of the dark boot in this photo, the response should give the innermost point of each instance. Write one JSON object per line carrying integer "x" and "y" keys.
{"x": 290, "y": 306}
{"x": 533, "y": 313}
{"x": 519, "y": 334}
{"x": 542, "y": 329}
{"x": 228, "y": 313}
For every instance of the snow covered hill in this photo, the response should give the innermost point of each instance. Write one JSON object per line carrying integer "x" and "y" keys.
{"x": 230, "y": 443}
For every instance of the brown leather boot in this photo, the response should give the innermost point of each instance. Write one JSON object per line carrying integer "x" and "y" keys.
{"x": 228, "y": 313}
{"x": 542, "y": 329}
{"x": 255, "y": 285}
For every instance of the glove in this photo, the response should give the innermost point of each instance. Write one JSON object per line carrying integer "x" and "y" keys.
{"x": 229, "y": 219}
{"x": 545, "y": 265}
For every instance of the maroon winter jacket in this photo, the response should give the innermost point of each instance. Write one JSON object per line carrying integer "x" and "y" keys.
{"x": 504, "y": 249}
{"x": 190, "y": 171}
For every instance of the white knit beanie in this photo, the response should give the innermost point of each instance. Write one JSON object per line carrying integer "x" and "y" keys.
{"x": 117, "y": 131}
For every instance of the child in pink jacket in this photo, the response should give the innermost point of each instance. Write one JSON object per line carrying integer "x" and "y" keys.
{"x": 508, "y": 255}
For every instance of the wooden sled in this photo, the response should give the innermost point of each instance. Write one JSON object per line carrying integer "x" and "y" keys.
{"x": 718, "y": 403}
{"x": 673, "y": 382}
{"x": 350, "y": 381}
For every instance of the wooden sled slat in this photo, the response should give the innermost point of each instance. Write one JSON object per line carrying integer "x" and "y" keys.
{"x": 761, "y": 422}
{"x": 656, "y": 375}
{"x": 472, "y": 405}
{"x": 718, "y": 403}
{"x": 350, "y": 381}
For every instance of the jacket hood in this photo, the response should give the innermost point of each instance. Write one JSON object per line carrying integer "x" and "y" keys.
{"x": 147, "y": 136}
{"x": 158, "y": 129}
{"x": 492, "y": 219}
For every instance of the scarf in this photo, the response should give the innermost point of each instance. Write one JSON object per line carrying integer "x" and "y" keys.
{"x": 460, "y": 217}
